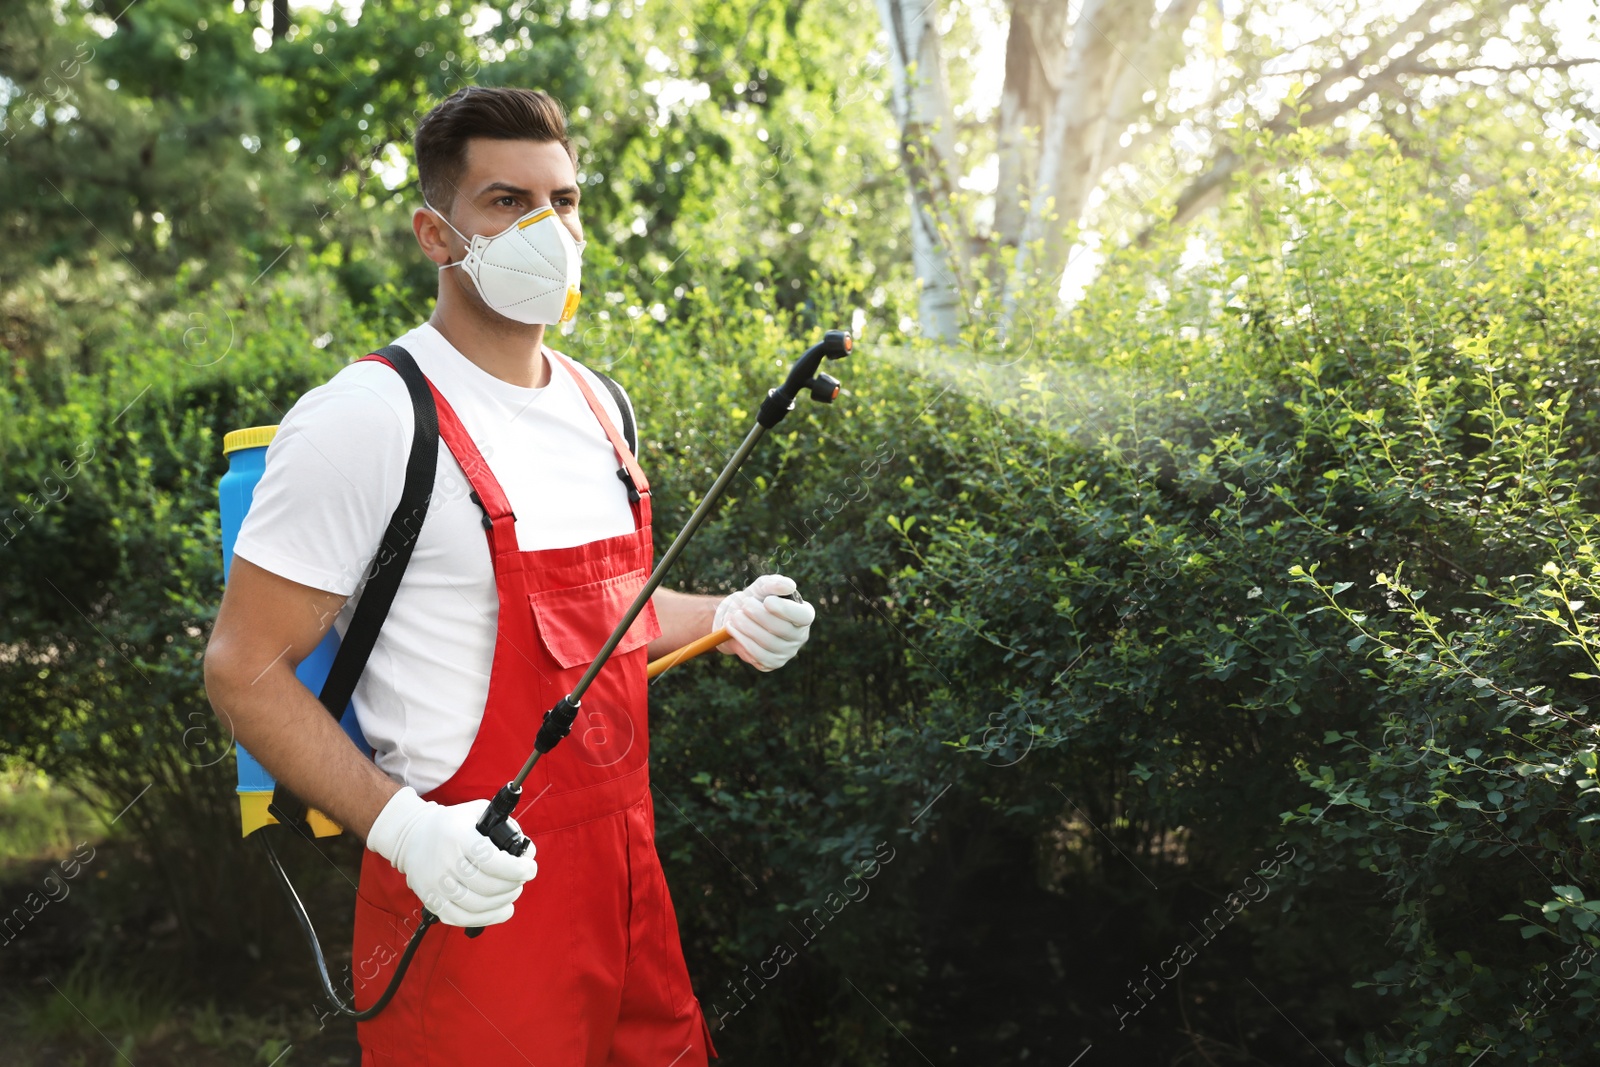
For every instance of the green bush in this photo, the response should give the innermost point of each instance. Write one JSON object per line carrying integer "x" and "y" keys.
{"x": 111, "y": 572}
{"x": 1183, "y": 561}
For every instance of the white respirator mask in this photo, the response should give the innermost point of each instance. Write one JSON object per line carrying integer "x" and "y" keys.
{"x": 529, "y": 271}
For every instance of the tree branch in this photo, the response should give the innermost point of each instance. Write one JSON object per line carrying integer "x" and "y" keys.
{"x": 1537, "y": 64}
{"x": 1207, "y": 187}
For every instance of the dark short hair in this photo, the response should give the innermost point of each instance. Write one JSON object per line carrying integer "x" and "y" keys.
{"x": 500, "y": 112}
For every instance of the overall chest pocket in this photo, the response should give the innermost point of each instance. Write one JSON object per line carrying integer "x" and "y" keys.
{"x": 574, "y": 623}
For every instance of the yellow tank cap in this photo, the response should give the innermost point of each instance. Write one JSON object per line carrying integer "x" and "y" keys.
{"x": 249, "y": 437}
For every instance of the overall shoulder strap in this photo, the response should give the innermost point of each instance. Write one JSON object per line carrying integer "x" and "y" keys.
{"x": 394, "y": 552}
{"x": 630, "y": 473}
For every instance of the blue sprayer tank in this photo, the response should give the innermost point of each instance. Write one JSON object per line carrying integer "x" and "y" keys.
{"x": 247, "y": 457}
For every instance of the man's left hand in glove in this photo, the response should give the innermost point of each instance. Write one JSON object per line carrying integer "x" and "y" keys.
{"x": 767, "y": 627}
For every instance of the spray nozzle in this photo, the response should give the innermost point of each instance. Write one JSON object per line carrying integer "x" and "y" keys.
{"x": 835, "y": 344}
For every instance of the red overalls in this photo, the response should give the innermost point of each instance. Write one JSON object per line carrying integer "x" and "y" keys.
{"x": 588, "y": 971}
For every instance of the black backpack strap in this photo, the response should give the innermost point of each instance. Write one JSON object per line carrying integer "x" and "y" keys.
{"x": 394, "y": 552}
{"x": 628, "y": 433}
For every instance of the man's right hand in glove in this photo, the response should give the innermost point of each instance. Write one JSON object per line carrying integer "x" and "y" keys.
{"x": 456, "y": 872}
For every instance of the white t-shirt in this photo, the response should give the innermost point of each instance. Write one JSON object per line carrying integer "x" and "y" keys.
{"x": 333, "y": 477}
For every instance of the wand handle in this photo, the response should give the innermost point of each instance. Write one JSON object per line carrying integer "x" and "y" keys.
{"x": 687, "y": 652}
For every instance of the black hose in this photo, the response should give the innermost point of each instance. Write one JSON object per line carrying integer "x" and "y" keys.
{"x": 299, "y": 909}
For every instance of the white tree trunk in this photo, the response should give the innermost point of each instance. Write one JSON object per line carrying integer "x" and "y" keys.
{"x": 1070, "y": 160}
{"x": 927, "y": 141}
{"x": 1035, "y": 52}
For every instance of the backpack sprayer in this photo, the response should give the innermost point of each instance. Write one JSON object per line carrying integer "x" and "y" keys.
{"x": 246, "y": 451}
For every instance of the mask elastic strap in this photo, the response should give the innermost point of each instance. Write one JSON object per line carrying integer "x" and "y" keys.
{"x": 453, "y": 229}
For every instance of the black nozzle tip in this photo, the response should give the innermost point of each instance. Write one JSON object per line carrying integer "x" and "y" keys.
{"x": 837, "y": 344}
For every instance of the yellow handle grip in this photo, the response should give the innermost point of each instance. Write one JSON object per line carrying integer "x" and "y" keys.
{"x": 687, "y": 652}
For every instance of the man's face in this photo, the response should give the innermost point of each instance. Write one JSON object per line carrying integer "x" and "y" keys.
{"x": 502, "y": 181}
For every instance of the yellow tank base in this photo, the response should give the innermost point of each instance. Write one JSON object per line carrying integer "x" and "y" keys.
{"x": 253, "y": 815}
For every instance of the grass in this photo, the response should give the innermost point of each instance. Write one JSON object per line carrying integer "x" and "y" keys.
{"x": 96, "y": 1015}
{"x": 90, "y": 1000}
{"x": 40, "y": 819}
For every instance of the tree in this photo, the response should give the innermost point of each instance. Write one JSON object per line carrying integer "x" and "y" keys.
{"x": 1154, "y": 109}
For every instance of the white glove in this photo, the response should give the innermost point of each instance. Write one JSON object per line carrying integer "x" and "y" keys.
{"x": 456, "y": 872}
{"x": 767, "y": 628}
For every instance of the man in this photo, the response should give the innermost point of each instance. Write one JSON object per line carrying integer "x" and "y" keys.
{"x": 531, "y": 548}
